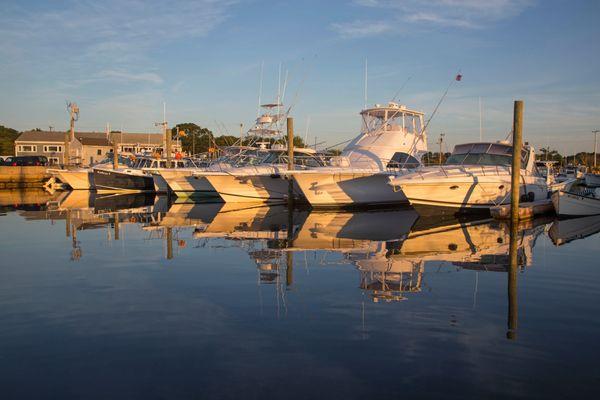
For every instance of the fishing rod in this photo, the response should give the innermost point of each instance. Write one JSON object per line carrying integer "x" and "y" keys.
{"x": 457, "y": 78}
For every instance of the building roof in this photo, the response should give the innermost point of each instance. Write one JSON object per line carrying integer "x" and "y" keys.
{"x": 92, "y": 138}
{"x": 41, "y": 136}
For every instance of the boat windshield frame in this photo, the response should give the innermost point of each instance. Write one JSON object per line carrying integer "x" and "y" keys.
{"x": 485, "y": 154}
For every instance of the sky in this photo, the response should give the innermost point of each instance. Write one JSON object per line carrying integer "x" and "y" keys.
{"x": 121, "y": 60}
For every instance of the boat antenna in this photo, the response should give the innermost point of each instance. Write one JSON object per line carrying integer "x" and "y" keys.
{"x": 457, "y": 78}
{"x": 307, "y": 128}
{"x": 293, "y": 103}
{"x": 285, "y": 81}
{"x": 260, "y": 85}
{"x": 366, "y": 81}
{"x": 480, "y": 122}
{"x": 401, "y": 87}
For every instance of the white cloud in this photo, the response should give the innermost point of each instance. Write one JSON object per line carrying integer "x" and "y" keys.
{"x": 357, "y": 29}
{"x": 129, "y": 76}
{"x": 430, "y": 14}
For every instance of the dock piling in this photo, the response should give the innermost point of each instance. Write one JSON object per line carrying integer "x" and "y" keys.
{"x": 516, "y": 160}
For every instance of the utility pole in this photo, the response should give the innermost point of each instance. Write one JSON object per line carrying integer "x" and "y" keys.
{"x": 440, "y": 142}
{"x": 595, "y": 132}
{"x": 241, "y": 134}
{"x": 70, "y": 136}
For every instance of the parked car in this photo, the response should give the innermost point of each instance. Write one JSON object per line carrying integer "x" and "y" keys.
{"x": 26, "y": 161}
{"x": 9, "y": 160}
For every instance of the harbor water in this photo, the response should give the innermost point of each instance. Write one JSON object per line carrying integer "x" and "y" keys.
{"x": 143, "y": 297}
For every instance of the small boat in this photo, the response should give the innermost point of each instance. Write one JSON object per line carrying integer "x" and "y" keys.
{"x": 592, "y": 180}
{"x": 571, "y": 172}
{"x": 576, "y": 200}
{"x": 83, "y": 178}
{"x": 127, "y": 178}
{"x": 475, "y": 176}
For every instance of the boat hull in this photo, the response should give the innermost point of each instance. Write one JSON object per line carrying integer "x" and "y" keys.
{"x": 250, "y": 188}
{"x": 347, "y": 189}
{"x": 107, "y": 180}
{"x": 466, "y": 194}
{"x": 572, "y": 204}
{"x": 592, "y": 180}
{"x": 185, "y": 184}
{"x": 76, "y": 179}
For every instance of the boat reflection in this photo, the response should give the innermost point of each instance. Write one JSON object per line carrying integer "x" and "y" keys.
{"x": 564, "y": 231}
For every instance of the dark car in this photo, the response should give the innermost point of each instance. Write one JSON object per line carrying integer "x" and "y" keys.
{"x": 27, "y": 161}
{"x": 8, "y": 161}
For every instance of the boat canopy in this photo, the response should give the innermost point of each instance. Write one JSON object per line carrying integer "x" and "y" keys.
{"x": 485, "y": 154}
{"x": 392, "y": 117}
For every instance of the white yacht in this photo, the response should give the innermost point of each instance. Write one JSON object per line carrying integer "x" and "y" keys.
{"x": 392, "y": 138}
{"x": 262, "y": 182}
{"x": 182, "y": 182}
{"x": 476, "y": 175}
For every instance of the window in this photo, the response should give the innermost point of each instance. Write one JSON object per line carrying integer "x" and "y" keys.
{"x": 99, "y": 152}
{"x": 403, "y": 160}
{"x": 53, "y": 160}
{"x": 27, "y": 148}
{"x": 53, "y": 149}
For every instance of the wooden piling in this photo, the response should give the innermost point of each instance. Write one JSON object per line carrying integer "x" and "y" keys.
{"x": 512, "y": 281}
{"x": 169, "y": 238}
{"x": 516, "y": 160}
{"x": 116, "y": 222}
{"x": 168, "y": 144}
{"x": 115, "y": 152}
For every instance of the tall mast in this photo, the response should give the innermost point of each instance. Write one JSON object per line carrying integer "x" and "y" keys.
{"x": 480, "y": 122}
{"x": 366, "y": 81}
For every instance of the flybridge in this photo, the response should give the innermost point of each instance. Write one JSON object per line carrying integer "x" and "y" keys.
{"x": 392, "y": 117}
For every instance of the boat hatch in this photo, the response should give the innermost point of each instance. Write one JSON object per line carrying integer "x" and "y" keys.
{"x": 484, "y": 154}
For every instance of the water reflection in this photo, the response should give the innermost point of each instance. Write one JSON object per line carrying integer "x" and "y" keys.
{"x": 251, "y": 283}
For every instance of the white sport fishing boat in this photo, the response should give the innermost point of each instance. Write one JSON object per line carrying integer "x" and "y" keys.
{"x": 575, "y": 200}
{"x": 262, "y": 182}
{"x": 476, "y": 175}
{"x": 182, "y": 182}
{"x": 392, "y": 138}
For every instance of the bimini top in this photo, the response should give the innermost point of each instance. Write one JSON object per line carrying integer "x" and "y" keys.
{"x": 389, "y": 110}
{"x": 485, "y": 153}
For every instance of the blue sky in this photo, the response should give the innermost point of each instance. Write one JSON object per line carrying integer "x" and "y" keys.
{"x": 120, "y": 60}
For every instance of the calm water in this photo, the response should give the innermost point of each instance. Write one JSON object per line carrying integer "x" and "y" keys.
{"x": 133, "y": 297}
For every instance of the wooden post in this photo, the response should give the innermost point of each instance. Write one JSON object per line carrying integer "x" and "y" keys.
{"x": 512, "y": 281}
{"x": 116, "y": 222}
{"x": 516, "y": 160}
{"x": 168, "y": 146}
{"x": 169, "y": 238}
{"x": 68, "y": 223}
{"x": 115, "y": 152}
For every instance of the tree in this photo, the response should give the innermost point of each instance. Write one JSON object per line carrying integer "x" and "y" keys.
{"x": 194, "y": 138}
{"x": 7, "y": 140}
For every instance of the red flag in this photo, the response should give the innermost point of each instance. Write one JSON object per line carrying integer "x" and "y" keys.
{"x": 458, "y": 77}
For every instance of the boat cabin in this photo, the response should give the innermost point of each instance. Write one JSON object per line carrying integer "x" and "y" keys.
{"x": 302, "y": 157}
{"x": 393, "y": 117}
{"x": 490, "y": 154}
{"x": 154, "y": 163}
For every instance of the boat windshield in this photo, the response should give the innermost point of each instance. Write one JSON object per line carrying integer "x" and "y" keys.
{"x": 484, "y": 154}
{"x": 303, "y": 159}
